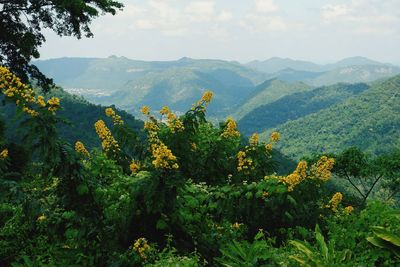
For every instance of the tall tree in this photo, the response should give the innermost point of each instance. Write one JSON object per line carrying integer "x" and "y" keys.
{"x": 22, "y": 22}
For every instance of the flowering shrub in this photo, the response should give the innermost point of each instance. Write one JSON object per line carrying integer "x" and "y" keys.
{"x": 188, "y": 193}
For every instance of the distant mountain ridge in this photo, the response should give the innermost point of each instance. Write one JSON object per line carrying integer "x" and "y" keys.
{"x": 276, "y": 64}
{"x": 130, "y": 84}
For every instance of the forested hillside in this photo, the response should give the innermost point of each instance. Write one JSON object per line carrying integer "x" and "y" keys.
{"x": 370, "y": 121}
{"x": 78, "y": 115}
{"x": 297, "y": 105}
{"x": 268, "y": 92}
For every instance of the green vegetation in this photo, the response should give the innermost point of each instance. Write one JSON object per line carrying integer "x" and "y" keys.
{"x": 78, "y": 116}
{"x": 369, "y": 120}
{"x": 266, "y": 93}
{"x": 190, "y": 194}
{"x": 296, "y": 105}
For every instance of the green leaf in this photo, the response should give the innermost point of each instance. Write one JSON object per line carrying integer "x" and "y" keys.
{"x": 386, "y": 235}
{"x": 82, "y": 189}
{"x": 321, "y": 242}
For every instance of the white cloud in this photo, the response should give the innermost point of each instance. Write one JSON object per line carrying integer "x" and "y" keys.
{"x": 330, "y": 13}
{"x": 224, "y": 16}
{"x": 266, "y": 6}
{"x": 201, "y": 11}
{"x": 256, "y": 23}
{"x": 363, "y": 16}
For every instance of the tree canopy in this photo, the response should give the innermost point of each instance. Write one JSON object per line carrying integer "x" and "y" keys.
{"x": 22, "y": 23}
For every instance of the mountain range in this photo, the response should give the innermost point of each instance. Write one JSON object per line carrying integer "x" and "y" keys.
{"x": 129, "y": 84}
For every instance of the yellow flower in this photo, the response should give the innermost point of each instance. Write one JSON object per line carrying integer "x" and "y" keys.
{"x": 80, "y": 148}
{"x": 164, "y": 110}
{"x": 244, "y": 164}
{"x": 268, "y": 147}
{"x": 322, "y": 169}
{"x": 108, "y": 142}
{"x": 275, "y": 136}
{"x": 174, "y": 123}
{"x": 335, "y": 200}
{"x": 254, "y": 139}
{"x": 54, "y": 104}
{"x": 134, "y": 166}
{"x": 141, "y": 247}
{"x": 4, "y": 154}
{"x": 41, "y": 218}
{"x": 207, "y": 96}
{"x": 296, "y": 177}
{"x": 193, "y": 146}
{"x": 230, "y": 129}
{"x": 145, "y": 110}
{"x": 236, "y": 225}
{"x": 163, "y": 157}
{"x": 114, "y": 116}
{"x": 348, "y": 209}
{"x": 40, "y": 101}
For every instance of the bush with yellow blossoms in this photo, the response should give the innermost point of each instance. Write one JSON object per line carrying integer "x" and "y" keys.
{"x": 188, "y": 182}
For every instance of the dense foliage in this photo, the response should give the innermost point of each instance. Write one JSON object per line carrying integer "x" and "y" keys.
{"x": 297, "y": 105}
{"x": 190, "y": 194}
{"x": 369, "y": 120}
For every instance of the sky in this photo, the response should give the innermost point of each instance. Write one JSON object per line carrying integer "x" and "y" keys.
{"x": 243, "y": 30}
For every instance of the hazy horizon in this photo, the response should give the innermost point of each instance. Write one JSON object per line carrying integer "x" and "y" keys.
{"x": 317, "y": 31}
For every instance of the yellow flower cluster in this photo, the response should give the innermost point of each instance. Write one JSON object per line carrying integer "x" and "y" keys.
{"x": 13, "y": 88}
{"x": 117, "y": 120}
{"x": 4, "y": 154}
{"x": 244, "y": 164}
{"x": 265, "y": 194}
{"x": 145, "y": 110}
{"x": 134, "y": 166}
{"x": 81, "y": 149}
{"x": 254, "y": 138}
{"x": 164, "y": 110}
{"x": 163, "y": 157}
{"x": 236, "y": 225}
{"x": 54, "y": 104}
{"x": 174, "y": 123}
{"x": 335, "y": 200}
{"x": 41, "y": 218}
{"x": 107, "y": 140}
{"x": 268, "y": 147}
{"x": 275, "y": 136}
{"x": 193, "y": 146}
{"x": 230, "y": 129}
{"x": 204, "y": 101}
{"x": 322, "y": 169}
{"x": 348, "y": 210}
{"x": 296, "y": 177}
{"x": 141, "y": 247}
{"x": 207, "y": 96}
{"x": 40, "y": 101}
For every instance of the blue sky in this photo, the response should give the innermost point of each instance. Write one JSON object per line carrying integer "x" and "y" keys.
{"x": 243, "y": 30}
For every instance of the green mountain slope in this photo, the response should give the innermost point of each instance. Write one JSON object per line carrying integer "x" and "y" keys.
{"x": 179, "y": 88}
{"x": 80, "y": 116}
{"x": 297, "y": 105}
{"x": 268, "y": 92}
{"x": 370, "y": 120}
